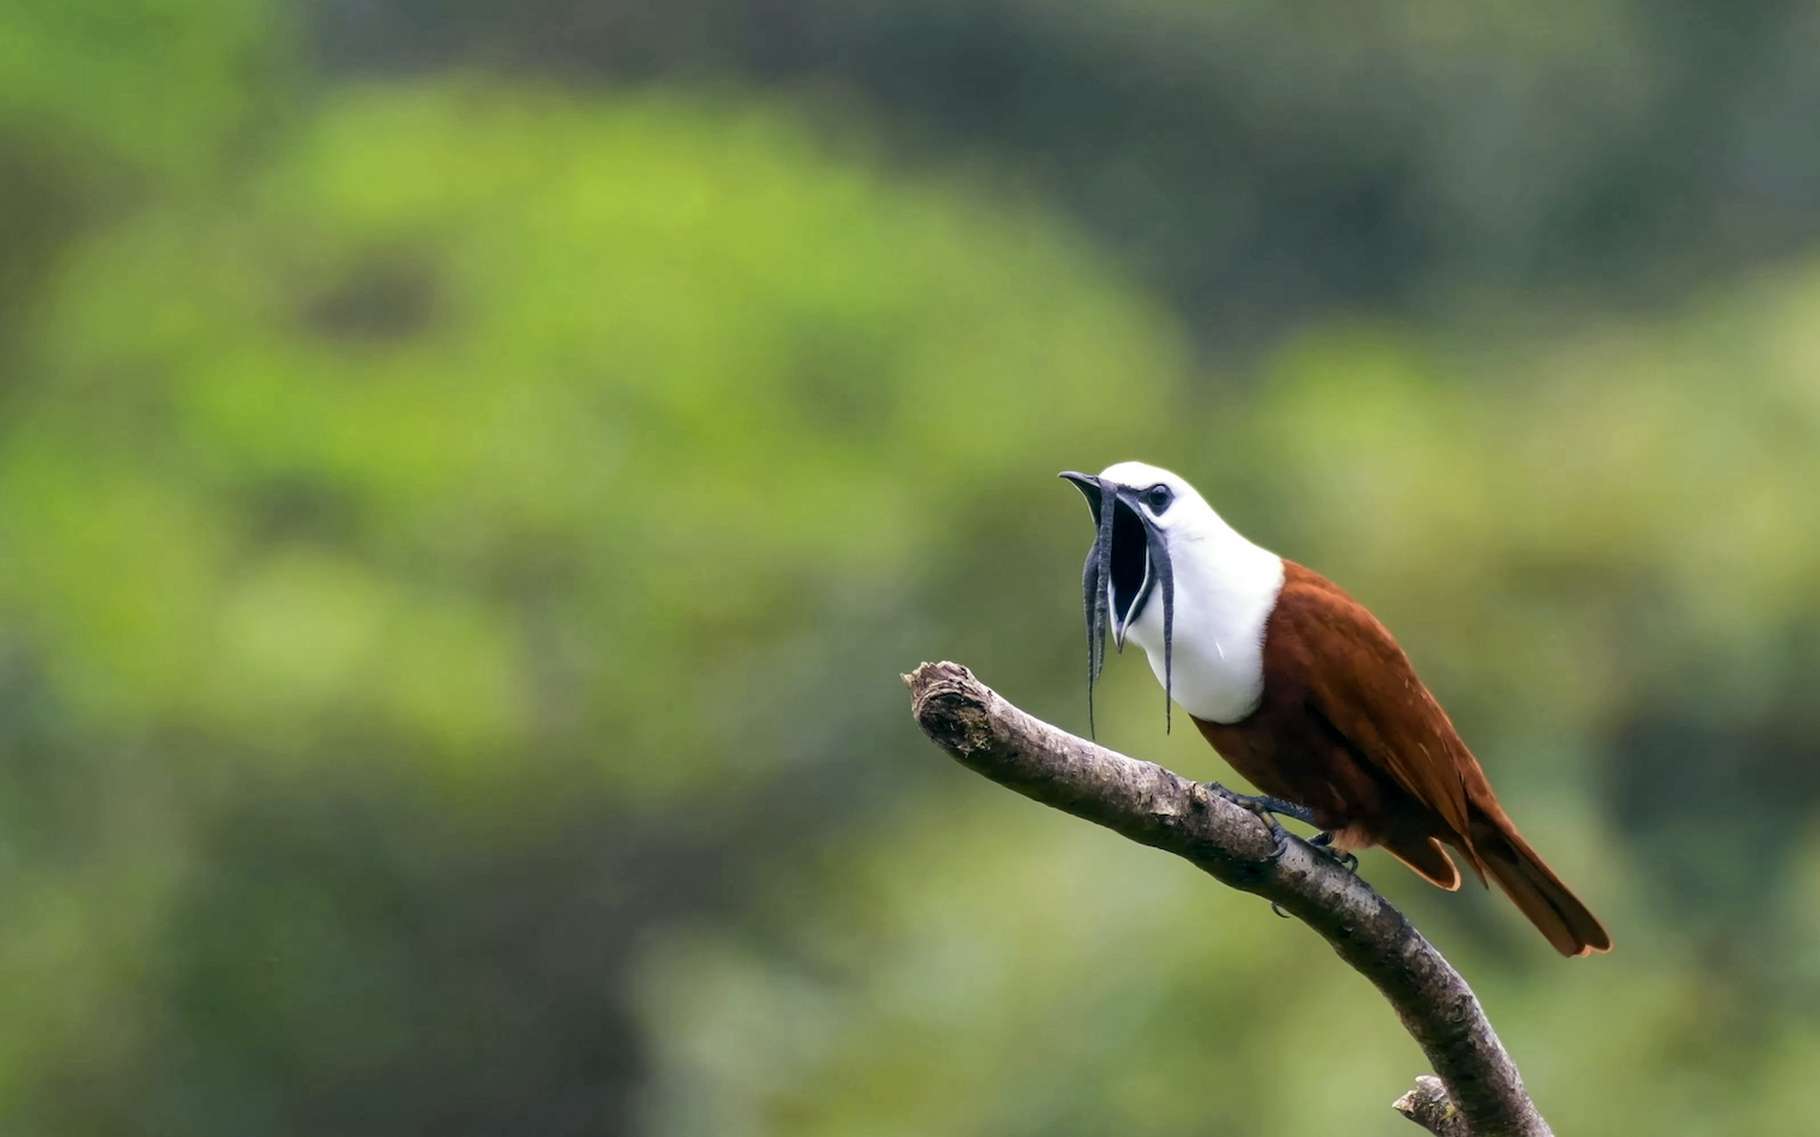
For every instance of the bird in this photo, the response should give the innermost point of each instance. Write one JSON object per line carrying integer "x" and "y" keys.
{"x": 1304, "y": 693}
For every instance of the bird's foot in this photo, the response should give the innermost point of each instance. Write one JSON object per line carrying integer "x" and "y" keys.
{"x": 1267, "y": 808}
{"x": 1262, "y": 804}
{"x": 1323, "y": 843}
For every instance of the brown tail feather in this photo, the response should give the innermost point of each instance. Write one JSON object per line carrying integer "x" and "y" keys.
{"x": 1425, "y": 856}
{"x": 1536, "y": 890}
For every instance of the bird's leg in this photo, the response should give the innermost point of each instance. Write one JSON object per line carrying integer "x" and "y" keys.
{"x": 1280, "y": 805}
{"x": 1264, "y": 805}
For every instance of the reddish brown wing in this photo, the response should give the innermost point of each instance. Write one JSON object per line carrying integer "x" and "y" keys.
{"x": 1359, "y": 681}
{"x": 1366, "y": 689}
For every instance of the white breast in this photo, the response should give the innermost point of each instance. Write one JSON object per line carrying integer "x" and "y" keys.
{"x": 1225, "y": 589}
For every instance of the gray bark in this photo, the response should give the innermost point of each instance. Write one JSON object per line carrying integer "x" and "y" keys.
{"x": 1479, "y": 1092}
{"x": 1428, "y": 1105}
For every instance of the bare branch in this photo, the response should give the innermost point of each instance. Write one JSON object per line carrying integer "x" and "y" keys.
{"x": 1429, "y": 1106}
{"x": 1479, "y": 1092}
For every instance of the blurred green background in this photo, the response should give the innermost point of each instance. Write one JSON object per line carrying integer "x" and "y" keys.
{"x": 471, "y": 475}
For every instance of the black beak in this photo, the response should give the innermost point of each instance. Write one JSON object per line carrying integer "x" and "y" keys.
{"x": 1128, "y": 559}
{"x": 1089, "y": 487}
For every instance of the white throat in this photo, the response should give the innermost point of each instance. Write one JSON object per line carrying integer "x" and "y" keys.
{"x": 1225, "y": 589}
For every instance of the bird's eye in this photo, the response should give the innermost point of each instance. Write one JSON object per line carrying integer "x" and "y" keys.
{"x": 1158, "y": 497}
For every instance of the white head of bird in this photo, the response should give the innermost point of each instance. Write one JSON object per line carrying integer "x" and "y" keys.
{"x": 1168, "y": 572}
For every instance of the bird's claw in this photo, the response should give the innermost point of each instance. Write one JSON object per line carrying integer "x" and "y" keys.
{"x": 1323, "y": 843}
{"x": 1266, "y": 808}
{"x": 1263, "y": 807}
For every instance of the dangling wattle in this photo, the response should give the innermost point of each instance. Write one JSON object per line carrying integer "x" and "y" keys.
{"x": 1127, "y": 560}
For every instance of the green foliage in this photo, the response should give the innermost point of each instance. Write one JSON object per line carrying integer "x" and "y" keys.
{"x": 102, "y": 105}
{"x": 1258, "y": 161}
{"x": 459, "y": 537}
{"x": 503, "y": 449}
{"x": 80, "y": 71}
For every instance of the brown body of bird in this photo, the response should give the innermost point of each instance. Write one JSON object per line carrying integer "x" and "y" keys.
{"x": 1306, "y": 694}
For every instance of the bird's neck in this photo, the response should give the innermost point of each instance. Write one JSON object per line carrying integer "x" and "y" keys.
{"x": 1225, "y": 589}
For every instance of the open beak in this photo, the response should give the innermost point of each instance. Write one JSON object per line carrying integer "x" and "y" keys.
{"x": 1124, "y": 553}
{"x": 1126, "y": 562}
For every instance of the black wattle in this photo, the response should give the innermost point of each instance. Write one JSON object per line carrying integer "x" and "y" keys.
{"x": 1164, "y": 573}
{"x": 1101, "y": 556}
{"x": 1091, "y": 586}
